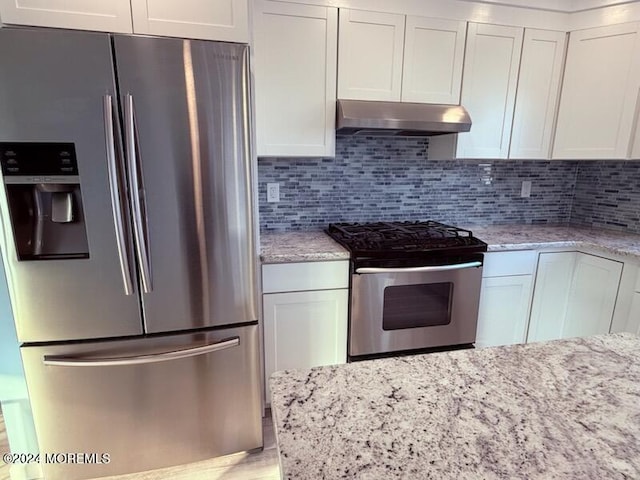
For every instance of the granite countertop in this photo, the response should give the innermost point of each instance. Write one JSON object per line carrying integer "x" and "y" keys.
{"x": 300, "y": 247}
{"x": 566, "y": 409}
{"x": 316, "y": 245}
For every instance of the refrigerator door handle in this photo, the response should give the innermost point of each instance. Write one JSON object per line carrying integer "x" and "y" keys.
{"x": 69, "y": 361}
{"x": 136, "y": 193}
{"x": 116, "y": 195}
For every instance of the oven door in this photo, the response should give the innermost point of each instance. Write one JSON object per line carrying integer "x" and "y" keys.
{"x": 396, "y": 309}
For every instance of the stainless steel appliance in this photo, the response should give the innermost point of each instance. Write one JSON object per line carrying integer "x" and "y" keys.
{"x": 128, "y": 241}
{"x": 366, "y": 117}
{"x": 414, "y": 286}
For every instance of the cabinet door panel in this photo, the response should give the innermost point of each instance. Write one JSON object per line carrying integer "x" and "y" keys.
{"x": 489, "y": 89}
{"x": 295, "y": 58}
{"x": 504, "y": 310}
{"x": 537, "y": 97}
{"x": 111, "y": 16}
{"x": 304, "y": 330}
{"x": 224, "y": 20}
{"x": 433, "y": 55}
{"x": 633, "y": 323}
{"x": 551, "y": 297}
{"x": 592, "y": 297}
{"x": 599, "y": 93}
{"x": 370, "y": 49}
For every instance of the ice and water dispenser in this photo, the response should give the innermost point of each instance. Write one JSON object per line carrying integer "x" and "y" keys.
{"x": 44, "y": 199}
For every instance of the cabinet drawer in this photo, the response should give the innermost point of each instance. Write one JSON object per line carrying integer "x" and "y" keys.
{"x": 297, "y": 277}
{"x": 637, "y": 289}
{"x": 500, "y": 264}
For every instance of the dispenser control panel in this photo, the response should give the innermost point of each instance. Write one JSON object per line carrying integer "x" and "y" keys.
{"x": 39, "y": 160}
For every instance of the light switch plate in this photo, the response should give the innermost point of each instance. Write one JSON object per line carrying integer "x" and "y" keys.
{"x": 525, "y": 191}
{"x": 273, "y": 192}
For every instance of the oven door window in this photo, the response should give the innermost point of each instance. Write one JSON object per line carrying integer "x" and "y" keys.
{"x": 417, "y": 306}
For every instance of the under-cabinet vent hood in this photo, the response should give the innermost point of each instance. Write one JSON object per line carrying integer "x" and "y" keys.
{"x": 363, "y": 117}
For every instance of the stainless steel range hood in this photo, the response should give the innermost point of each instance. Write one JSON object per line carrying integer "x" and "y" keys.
{"x": 363, "y": 117}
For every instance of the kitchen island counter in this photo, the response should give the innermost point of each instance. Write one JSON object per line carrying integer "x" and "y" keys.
{"x": 563, "y": 409}
{"x": 305, "y": 246}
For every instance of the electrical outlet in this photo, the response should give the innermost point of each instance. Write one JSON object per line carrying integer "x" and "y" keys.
{"x": 273, "y": 192}
{"x": 525, "y": 191}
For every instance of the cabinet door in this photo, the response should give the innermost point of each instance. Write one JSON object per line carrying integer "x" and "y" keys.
{"x": 551, "y": 297}
{"x": 592, "y": 297}
{"x": 635, "y": 149}
{"x": 504, "y": 310}
{"x": 224, "y": 20}
{"x": 599, "y": 93}
{"x": 489, "y": 89}
{"x": 370, "y": 55}
{"x": 304, "y": 330}
{"x": 537, "y": 96}
{"x": 111, "y": 16}
{"x": 633, "y": 323}
{"x": 433, "y": 55}
{"x": 295, "y": 58}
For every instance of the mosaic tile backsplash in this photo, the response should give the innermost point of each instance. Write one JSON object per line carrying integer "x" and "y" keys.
{"x": 381, "y": 178}
{"x": 607, "y": 194}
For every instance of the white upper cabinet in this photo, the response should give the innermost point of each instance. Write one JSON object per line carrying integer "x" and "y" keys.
{"x": 295, "y": 49}
{"x": 224, "y": 20}
{"x": 100, "y": 15}
{"x": 385, "y": 56}
{"x": 433, "y": 57}
{"x": 537, "y": 95}
{"x": 635, "y": 150}
{"x": 370, "y": 55}
{"x": 489, "y": 89}
{"x": 599, "y": 93}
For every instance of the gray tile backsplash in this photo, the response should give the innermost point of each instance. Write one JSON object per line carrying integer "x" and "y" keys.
{"x": 607, "y": 195}
{"x": 381, "y": 178}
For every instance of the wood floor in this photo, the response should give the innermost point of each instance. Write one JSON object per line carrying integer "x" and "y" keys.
{"x": 4, "y": 448}
{"x": 241, "y": 466}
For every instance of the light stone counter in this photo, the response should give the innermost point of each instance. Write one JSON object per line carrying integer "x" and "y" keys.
{"x": 303, "y": 246}
{"x": 316, "y": 245}
{"x": 567, "y": 409}
{"x": 532, "y": 237}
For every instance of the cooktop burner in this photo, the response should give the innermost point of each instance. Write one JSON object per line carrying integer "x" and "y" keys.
{"x": 401, "y": 239}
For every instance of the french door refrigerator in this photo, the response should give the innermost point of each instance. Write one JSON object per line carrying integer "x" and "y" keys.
{"x": 129, "y": 244}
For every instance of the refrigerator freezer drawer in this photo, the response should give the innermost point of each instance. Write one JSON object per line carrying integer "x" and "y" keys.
{"x": 147, "y": 403}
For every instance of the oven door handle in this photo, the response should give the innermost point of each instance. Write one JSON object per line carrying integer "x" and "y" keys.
{"x": 439, "y": 268}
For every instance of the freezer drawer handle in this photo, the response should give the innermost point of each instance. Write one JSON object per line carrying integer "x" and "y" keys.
{"x": 114, "y": 184}
{"x": 67, "y": 361}
{"x": 136, "y": 193}
{"x": 439, "y": 268}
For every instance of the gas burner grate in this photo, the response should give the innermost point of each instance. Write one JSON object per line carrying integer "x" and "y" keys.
{"x": 391, "y": 239}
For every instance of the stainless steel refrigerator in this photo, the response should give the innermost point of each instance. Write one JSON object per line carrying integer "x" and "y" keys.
{"x": 129, "y": 245}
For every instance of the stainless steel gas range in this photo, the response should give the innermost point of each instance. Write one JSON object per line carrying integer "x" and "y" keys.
{"x": 415, "y": 286}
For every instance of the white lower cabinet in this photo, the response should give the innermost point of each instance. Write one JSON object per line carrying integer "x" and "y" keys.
{"x": 305, "y": 328}
{"x": 505, "y": 298}
{"x": 634, "y": 314}
{"x": 575, "y": 296}
{"x": 549, "y": 307}
{"x": 504, "y": 310}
